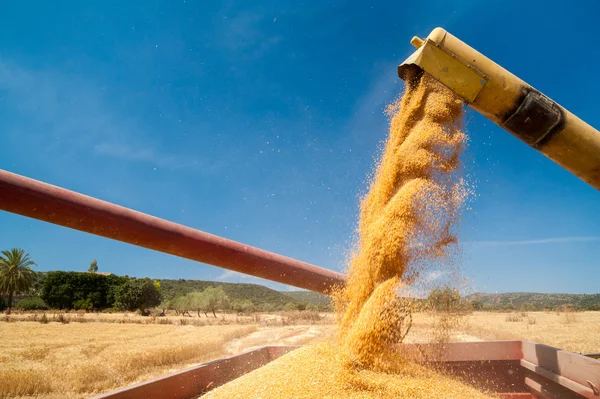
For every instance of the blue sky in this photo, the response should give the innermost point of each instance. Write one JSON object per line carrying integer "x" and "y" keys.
{"x": 259, "y": 121}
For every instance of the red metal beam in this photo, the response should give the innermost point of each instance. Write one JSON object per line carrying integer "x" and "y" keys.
{"x": 38, "y": 200}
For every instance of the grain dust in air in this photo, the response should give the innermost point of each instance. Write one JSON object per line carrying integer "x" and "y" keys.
{"x": 407, "y": 222}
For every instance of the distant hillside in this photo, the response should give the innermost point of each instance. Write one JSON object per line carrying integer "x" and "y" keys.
{"x": 309, "y": 297}
{"x": 258, "y": 294}
{"x": 539, "y": 301}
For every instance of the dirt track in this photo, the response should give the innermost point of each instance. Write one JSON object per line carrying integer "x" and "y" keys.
{"x": 304, "y": 334}
{"x": 287, "y": 335}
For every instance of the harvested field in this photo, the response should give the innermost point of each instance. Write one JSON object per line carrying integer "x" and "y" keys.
{"x": 575, "y": 332}
{"x": 572, "y": 331}
{"x": 77, "y": 360}
{"x": 286, "y": 335}
{"x": 284, "y": 318}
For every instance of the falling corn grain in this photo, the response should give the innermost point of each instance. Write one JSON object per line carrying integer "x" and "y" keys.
{"x": 406, "y": 224}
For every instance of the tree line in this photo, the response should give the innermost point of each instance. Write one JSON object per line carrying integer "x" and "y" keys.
{"x": 212, "y": 299}
{"x": 72, "y": 290}
{"x": 215, "y": 299}
{"x": 448, "y": 298}
{"x": 92, "y": 291}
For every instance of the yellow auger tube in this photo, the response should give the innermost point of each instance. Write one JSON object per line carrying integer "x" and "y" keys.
{"x": 509, "y": 102}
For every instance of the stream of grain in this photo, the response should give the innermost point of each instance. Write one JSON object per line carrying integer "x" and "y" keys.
{"x": 406, "y": 224}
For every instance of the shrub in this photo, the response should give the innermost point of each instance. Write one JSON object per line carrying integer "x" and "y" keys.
{"x": 137, "y": 294}
{"x": 513, "y": 318}
{"x": 2, "y": 304}
{"x": 528, "y": 307}
{"x": 267, "y": 307}
{"x": 313, "y": 307}
{"x": 444, "y": 299}
{"x": 61, "y": 290}
{"x": 34, "y": 303}
{"x": 301, "y": 317}
{"x": 81, "y": 318}
{"x": 83, "y": 304}
{"x": 245, "y": 306}
{"x": 289, "y": 307}
{"x": 44, "y": 319}
{"x": 568, "y": 308}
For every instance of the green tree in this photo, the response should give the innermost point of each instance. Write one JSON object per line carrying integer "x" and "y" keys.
{"x": 165, "y": 305}
{"x": 93, "y": 266}
{"x": 16, "y": 276}
{"x": 68, "y": 290}
{"x": 245, "y": 306}
{"x": 526, "y": 307}
{"x": 180, "y": 305}
{"x": 215, "y": 299}
{"x": 197, "y": 301}
{"x": 445, "y": 299}
{"x": 139, "y": 294}
{"x": 33, "y": 303}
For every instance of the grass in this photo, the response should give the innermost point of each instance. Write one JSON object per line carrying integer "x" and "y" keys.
{"x": 305, "y": 317}
{"x": 93, "y": 353}
{"x": 576, "y": 332}
{"x": 282, "y": 318}
{"x": 77, "y": 360}
{"x": 572, "y": 331}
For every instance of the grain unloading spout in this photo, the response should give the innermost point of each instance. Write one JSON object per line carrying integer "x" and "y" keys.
{"x": 42, "y": 201}
{"x": 509, "y": 102}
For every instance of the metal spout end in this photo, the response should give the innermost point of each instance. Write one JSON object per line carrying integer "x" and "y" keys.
{"x": 416, "y": 41}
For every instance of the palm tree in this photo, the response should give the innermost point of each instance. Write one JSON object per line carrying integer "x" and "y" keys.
{"x": 16, "y": 275}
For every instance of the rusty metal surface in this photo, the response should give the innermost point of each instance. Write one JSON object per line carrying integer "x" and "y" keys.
{"x": 500, "y": 376}
{"x": 464, "y": 351}
{"x": 571, "y": 385}
{"x": 481, "y": 364}
{"x": 35, "y": 199}
{"x": 542, "y": 388}
{"x": 198, "y": 380}
{"x": 573, "y": 371}
{"x": 278, "y": 351}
